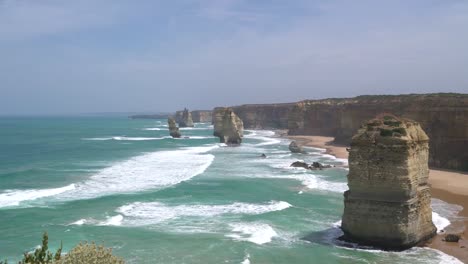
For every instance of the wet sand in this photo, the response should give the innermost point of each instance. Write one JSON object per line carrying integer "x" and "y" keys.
{"x": 448, "y": 186}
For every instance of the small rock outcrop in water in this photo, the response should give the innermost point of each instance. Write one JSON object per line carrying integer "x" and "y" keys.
{"x": 388, "y": 204}
{"x": 173, "y": 129}
{"x": 295, "y": 148}
{"x": 227, "y": 126}
{"x": 186, "y": 119}
{"x": 314, "y": 166}
{"x": 300, "y": 164}
{"x": 452, "y": 238}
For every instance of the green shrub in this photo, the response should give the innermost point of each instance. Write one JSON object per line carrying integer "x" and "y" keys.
{"x": 388, "y": 117}
{"x": 42, "y": 255}
{"x": 400, "y": 130}
{"x": 83, "y": 253}
{"x": 386, "y": 132}
{"x": 90, "y": 254}
{"x": 392, "y": 123}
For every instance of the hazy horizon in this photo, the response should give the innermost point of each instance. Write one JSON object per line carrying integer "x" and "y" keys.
{"x": 85, "y": 57}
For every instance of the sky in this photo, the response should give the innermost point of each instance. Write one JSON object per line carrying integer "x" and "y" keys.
{"x": 88, "y": 56}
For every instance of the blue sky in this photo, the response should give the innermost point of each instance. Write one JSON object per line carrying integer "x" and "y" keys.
{"x": 115, "y": 56}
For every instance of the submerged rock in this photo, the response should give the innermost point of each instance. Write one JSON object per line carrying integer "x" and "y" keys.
{"x": 300, "y": 164}
{"x": 173, "y": 129}
{"x": 263, "y": 156}
{"x": 313, "y": 166}
{"x": 186, "y": 119}
{"x": 388, "y": 204}
{"x": 227, "y": 126}
{"x": 319, "y": 166}
{"x": 295, "y": 148}
{"x": 452, "y": 238}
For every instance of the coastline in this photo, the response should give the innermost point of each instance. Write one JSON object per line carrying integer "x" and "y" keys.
{"x": 448, "y": 186}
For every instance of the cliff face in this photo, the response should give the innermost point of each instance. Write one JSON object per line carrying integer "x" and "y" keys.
{"x": 388, "y": 201}
{"x": 202, "y": 116}
{"x": 227, "y": 126}
{"x": 263, "y": 116}
{"x": 443, "y": 116}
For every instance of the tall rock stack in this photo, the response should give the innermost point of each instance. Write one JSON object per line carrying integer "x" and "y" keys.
{"x": 227, "y": 126}
{"x": 186, "y": 120}
{"x": 388, "y": 204}
{"x": 173, "y": 129}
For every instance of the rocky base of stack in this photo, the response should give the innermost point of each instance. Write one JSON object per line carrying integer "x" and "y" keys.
{"x": 396, "y": 225}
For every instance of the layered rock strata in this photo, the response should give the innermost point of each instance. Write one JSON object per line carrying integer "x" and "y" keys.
{"x": 173, "y": 129}
{"x": 202, "y": 116}
{"x": 388, "y": 204}
{"x": 227, "y": 126}
{"x": 186, "y": 119}
{"x": 443, "y": 116}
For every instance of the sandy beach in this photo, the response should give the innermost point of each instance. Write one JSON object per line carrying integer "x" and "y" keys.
{"x": 448, "y": 186}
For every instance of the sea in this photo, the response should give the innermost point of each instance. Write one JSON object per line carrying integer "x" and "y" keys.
{"x": 127, "y": 185}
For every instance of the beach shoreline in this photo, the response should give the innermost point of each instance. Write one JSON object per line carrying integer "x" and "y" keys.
{"x": 448, "y": 186}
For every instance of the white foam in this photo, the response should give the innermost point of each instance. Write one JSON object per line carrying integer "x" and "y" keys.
{"x": 194, "y": 128}
{"x": 439, "y": 221}
{"x": 150, "y": 171}
{"x": 153, "y": 129}
{"x": 79, "y": 222}
{"x": 15, "y": 197}
{"x": 112, "y": 221}
{"x": 257, "y": 233}
{"x": 443, "y": 213}
{"x": 264, "y": 135}
{"x": 246, "y": 260}
{"x": 127, "y": 138}
{"x": 312, "y": 181}
{"x": 141, "y": 214}
{"x": 146, "y": 172}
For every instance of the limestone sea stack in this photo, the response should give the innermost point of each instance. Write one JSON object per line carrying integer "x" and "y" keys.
{"x": 388, "y": 204}
{"x": 227, "y": 126}
{"x": 186, "y": 119}
{"x": 173, "y": 129}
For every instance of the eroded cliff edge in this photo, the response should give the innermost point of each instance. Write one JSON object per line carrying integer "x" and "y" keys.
{"x": 388, "y": 203}
{"x": 444, "y": 117}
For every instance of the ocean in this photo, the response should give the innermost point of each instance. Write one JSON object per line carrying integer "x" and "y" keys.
{"x": 153, "y": 199}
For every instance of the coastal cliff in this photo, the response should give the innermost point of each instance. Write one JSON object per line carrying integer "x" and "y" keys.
{"x": 227, "y": 126}
{"x": 264, "y": 116}
{"x": 444, "y": 117}
{"x": 202, "y": 116}
{"x": 388, "y": 203}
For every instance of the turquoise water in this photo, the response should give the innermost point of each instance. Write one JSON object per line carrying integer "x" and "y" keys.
{"x": 155, "y": 199}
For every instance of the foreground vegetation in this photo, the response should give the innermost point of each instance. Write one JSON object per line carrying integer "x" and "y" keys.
{"x": 88, "y": 253}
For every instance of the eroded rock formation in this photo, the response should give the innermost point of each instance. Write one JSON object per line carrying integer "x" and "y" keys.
{"x": 202, "y": 116}
{"x": 173, "y": 129}
{"x": 388, "y": 203}
{"x": 264, "y": 116}
{"x": 186, "y": 119}
{"x": 227, "y": 126}
{"x": 444, "y": 117}
{"x": 295, "y": 148}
